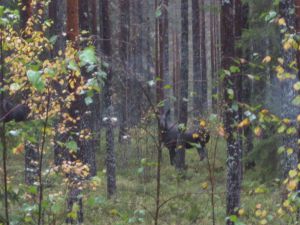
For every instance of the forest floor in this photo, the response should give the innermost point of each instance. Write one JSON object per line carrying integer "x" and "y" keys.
{"x": 186, "y": 198}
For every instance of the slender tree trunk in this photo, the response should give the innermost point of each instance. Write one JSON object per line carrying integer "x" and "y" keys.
{"x": 165, "y": 55}
{"x": 3, "y": 134}
{"x": 58, "y": 13}
{"x": 124, "y": 57}
{"x": 203, "y": 71}
{"x": 159, "y": 71}
{"x": 110, "y": 151}
{"x": 234, "y": 150}
{"x": 31, "y": 152}
{"x": 74, "y": 197}
{"x": 176, "y": 74}
{"x": 288, "y": 93}
{"x": 184, "y": 76}
{"x": 87, "y": 152}
{"x": 197, "y": 84}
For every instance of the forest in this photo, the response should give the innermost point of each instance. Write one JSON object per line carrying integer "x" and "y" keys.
{"x": 154, "y": 112}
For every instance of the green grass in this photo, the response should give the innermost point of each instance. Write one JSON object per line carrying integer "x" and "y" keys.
{"x": 187, "y": 202}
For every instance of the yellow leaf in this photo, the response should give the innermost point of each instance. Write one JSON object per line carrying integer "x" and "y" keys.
{"x": 286, "y": 121}
{"x": 258, "y": 213}
{"x": 241, "y": 212}
{"x": 287, "y": 45}
{"x": 280, "y": 60}
{"x": 280, "y": 212}
{"x": 195, "y": 135}
{"x": 258, "y": 131}
{"x": 244, "y": 123}
{"x": 264, "y": 111}
{"x": 286, "y": 203}
{"x": 263, "y": 213}
{"x": 19, "y": 149}
{"x": 281, "y": 21}
{"x": 298, "y": 118}
{"x": 292, "y": 173}
{"x": 204, "y": 185}
{"x": 267, "y": 59}
{"x": 292, "y": 185}
{"x": 114, "y": 212}
{"x": 221, "y": 131}
{"x": 202, "y": 123}
{"x": 290, "y": 151}
{"x": 260, "y": 190}
{"x": 279, "y": 69}
{"x": 263, "y": 222}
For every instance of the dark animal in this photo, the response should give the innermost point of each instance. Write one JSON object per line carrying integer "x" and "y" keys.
{"x": 197, "y": 138}
{"x": 14, "y": 112}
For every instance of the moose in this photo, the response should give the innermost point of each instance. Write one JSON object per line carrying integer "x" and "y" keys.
{"x": 10, "y": 111}
{"x": 197, "y": 138}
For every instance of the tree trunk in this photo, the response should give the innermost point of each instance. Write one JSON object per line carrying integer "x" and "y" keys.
{"x": 184, "y": 76}
{"x": 57, "y": 12}
{"x": 124, "y": 57}
{"x": 31, "y": 153}
{"x": 234, "y": 151}
{"x": 165, "y": 55}
{"x": 288, "y": 93}
{"x": 197, "y": 82}
{"x": 74, "y": 197}
{"x": 89, "y": 114}
{"x": 110, "y": 151}
{"x": 203, "y": 71}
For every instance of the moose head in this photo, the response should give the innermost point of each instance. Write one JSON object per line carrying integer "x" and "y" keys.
{"x": 18, "y": 112}
{"x": 197, "y": 138}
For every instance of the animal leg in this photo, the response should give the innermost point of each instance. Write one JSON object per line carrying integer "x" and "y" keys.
{"x": 202, "y": 153}
{"x": 172, "y": 154}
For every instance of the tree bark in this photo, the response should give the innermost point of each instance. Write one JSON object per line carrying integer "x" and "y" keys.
{"x": 110, "y": 151}
{"x": 288, "y": 93}
{"x": 124, "y": 57}
{"x": 184, "y": 76}
{"x": 203, "y": 71}
{"x": 197, "y": 81}
{"x": 74, "y": 197}
{"x": 234, "y": 151}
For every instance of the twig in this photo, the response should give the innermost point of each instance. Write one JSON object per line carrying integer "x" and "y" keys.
{"x": 3, "y": 138}
{"x": 41, "y": 151}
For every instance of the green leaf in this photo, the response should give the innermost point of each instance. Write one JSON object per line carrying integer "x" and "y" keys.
{"x": 51, "y": 72}
{"x": 35, "y": 79}
{"x": 140, "y": 170}
{"x": 270, "y": 16}
{"x": 281, "y": 129}
{"x": 168, "y": 86}
{"x": 72, "y": 145}
{"x": 87, "y": 56}
{"x": 291, "y": 130}
{"x": 234, "y": 69}
{"x": 233, "y": 218}
{"x": 281, "y": 150}
{"x": 72, "y": 65}
{"x": 296, "y": 101}
{"x": 297, "y": 86}
{"x": 88, "y": 100}
{"x": 230, "y": 93}
{"x": 235, "y": 107}
{"x": 158, "y": 12}
{"x": 32, "y": 190}
{"x": 1, "y": 10}
{"x": 53, "y": 39}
